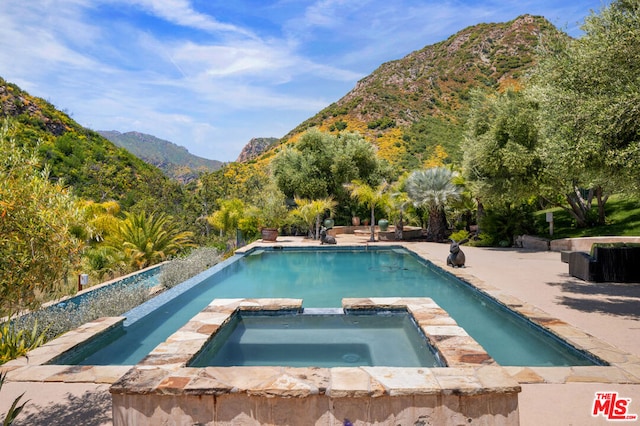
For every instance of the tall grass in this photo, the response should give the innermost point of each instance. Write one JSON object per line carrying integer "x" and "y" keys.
{"x": 15, "y": 409}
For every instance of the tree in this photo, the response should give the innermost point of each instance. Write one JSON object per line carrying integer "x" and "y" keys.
{"x": 397, "y": 206}
{"x": 319, "y": 164}
{"x": 371, "y": 197}
{"x": 39, "y": 226}
{"x": 311, "y": 212}
{"x": 433, "y": 188}
{"x": 101, "y": 218}
{"x": 589, "y": 92}
{"x": 501, "y": 163}
{"x": 227, "y": 217}
{"x": 145, "y": 240}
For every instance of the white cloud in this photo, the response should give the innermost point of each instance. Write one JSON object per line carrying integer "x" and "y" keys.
{"x": 43, "y": 42}
{"x": 180, "y": 12}
{"x": 243, "y": 58}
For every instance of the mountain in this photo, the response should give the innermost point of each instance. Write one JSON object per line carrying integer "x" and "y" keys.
{"x": 92, "y": 166}
{"x": 254, "y": 148}
{"x": 414, "y": 107}
{"x": 174, "y": 160}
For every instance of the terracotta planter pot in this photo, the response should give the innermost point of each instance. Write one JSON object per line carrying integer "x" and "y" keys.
{"x": 269, "y": 234}
{"x": 355, "y": 221}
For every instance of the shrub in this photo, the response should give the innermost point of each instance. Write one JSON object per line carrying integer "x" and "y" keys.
{"x": 502, "y": 225}
{"x": 482, "y": 240}
{"x": 15, "y": 342}
{"x": 181, "y": 269}
{"x": 460, "y": 235}
{"x": 110, "y": 301}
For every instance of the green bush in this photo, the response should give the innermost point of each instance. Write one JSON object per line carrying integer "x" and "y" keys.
{"x": 15, "y": 342}
{"x": 482, "y": 240}
{"x": 382, "y": 123}
{"x": 460, "y": 235}
{"x": 501, "y": 226}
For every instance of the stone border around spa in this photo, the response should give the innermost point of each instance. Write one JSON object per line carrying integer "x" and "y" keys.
{"x": 477, "y": 387}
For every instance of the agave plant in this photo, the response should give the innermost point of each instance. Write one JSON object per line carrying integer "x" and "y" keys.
{"x": 15, "y": 343}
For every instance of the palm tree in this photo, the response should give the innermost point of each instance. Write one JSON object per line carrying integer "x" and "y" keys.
{"x": 433, "y": 189}
{"x": 369, "y": 196}
{"x": 311, "y": 212}
{"x": 146, "y": 240}
{"x": 398, "y": 203}
{"x": 226, "y": 219}
{"x": 100, "y": 218}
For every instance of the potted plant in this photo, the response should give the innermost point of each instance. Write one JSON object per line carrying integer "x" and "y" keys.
{"x": 271, "y": 213}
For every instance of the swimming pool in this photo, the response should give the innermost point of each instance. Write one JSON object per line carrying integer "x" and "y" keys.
{"x": 322, "y": 277}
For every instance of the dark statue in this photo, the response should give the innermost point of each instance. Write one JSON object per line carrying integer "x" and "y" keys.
{"x": 456, "y": 256}
{"x": 326, "y": 239}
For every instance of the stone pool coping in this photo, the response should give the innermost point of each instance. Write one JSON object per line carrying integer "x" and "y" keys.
{"x": 471, "y": 387}
{"x": 470, "y": 369}
{"x": 34, "y": 366}
{"x": 624, "y": 367}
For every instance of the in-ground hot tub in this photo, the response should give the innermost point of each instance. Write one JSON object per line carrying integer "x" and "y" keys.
{"x": 329, "y": 338}
{"x": 163, "y": 387}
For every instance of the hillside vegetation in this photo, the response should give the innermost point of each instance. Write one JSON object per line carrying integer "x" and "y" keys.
{"x": 174, "y": 160}
{"x": 410, "y": 106}
{"x": 413, "y": 109}
{"x": 88, "y": 163}
{"x": 522, "y": 111}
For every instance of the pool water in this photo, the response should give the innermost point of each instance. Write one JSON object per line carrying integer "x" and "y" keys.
{"x": 323, "y": 277}
{"x": 299, "y": 340}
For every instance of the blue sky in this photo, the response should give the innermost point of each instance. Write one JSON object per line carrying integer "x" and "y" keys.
{"x": 211, "y": 74}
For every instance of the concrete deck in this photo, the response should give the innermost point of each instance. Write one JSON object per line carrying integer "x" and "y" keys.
{"x": 609, "y": 312}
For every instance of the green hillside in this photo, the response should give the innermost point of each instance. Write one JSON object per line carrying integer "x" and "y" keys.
{"x": 174, "y": 160}
{"x": 91, "y": 165}
{"x": 410, "y": 106}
